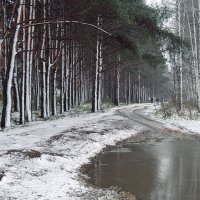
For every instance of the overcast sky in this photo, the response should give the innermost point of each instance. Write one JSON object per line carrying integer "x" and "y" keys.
{"x": 153, "y": 2}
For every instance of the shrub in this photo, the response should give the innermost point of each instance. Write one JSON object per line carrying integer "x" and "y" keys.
{"x": 166, "y": 110}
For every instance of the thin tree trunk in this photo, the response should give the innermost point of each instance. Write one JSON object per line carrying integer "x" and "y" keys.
{"x": 38, "y": 93}
{"x": 117, "y": 82}
{"x": 100, "y": 75}
{"x": 129, "y": 89}
{"x": 54, "y": 94}
{"x": 96, "y": 73}
{"x": 62, "y": 82}
{"x": 43, "y": 92}
{"x": 16, "y": 92}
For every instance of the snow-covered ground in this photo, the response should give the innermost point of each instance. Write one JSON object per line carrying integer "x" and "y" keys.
{"x": 174, "y": 122}
{"x": 42, "y": 161}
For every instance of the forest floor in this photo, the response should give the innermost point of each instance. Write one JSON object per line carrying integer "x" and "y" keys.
{"x": 43, "y": 160}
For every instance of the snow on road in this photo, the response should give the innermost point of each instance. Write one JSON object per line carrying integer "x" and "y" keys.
{"x": 42, "y": 161}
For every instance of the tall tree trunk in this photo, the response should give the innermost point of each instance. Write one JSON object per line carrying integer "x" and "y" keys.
{"x": 129, "y": 89}
{"x": 16, "y": 92}
{"x": 117, "y": 81}
{"x": 95, "y": 80}
{"x": 100, "y": 75}
{"x": 180, "y": 65}
{"x": 139, "y": 87}
{"x": 44, "y": 67}
{"x": 96, "y": 88}
{"x": 29, "y": 63}
{"x": 66, "y": 79}
{"x": 62, "y": 82}
{"x": 43, "y": 92}
{"x": 7, "y": 84}
{"x": 38, "y": 93}
{"x": 54, "y": 94}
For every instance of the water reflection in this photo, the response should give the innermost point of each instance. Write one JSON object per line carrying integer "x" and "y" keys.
{"x": 168, "y": 170}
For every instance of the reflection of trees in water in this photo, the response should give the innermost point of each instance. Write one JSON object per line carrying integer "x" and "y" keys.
{"x": 162, "y": 171}
{"x": 178, "y": 169}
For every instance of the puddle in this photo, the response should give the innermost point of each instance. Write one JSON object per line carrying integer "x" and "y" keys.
{"x": 164, "y": 169}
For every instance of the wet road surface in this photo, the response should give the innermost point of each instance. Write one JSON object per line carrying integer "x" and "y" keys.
{"x": 157, "y": 164}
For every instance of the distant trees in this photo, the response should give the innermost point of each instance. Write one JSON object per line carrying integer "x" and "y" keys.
{"x": 186, "y": 60}
{"x": 55, "y": 55}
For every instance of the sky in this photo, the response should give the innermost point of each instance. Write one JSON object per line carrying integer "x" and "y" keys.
{"x": 153, "y": 2}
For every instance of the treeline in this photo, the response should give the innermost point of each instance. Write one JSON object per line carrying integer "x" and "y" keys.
{"x": 56, "y": 55}
{"x": 185, "y": 62}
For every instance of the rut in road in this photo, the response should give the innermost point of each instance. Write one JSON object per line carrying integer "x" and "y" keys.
{"x": 139, "y": 119}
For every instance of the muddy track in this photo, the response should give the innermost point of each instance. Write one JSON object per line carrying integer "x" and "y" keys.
{"x": 161, "y": 142}
{"x": 151, "y": 130}
{"x": 141, "y": 120}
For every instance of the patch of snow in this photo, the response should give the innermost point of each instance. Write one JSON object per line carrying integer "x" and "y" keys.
{"x": 174, "y": 122}
{"x": 65, "y": 145}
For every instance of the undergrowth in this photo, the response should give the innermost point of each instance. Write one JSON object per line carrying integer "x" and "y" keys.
{"x": 189, "y": 110}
